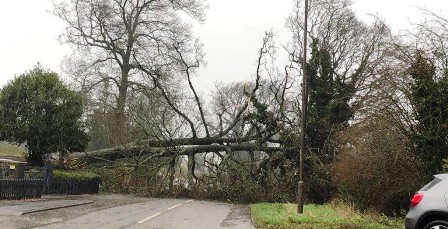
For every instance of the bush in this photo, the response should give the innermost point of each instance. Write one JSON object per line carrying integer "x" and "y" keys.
{"x": 74, "y": 182}
{"x": 377, "y": 169}
{"x": 319, "y": 183}
{"x": 74, "y": 175}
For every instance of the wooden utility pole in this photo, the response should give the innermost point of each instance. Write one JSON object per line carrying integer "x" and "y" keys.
{"x": 304, "y": 111}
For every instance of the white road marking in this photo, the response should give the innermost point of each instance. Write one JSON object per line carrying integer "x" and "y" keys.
{"x": 146, "y": 219}
{"x": 157, "y": 214}
{"x": 175, "y": 206}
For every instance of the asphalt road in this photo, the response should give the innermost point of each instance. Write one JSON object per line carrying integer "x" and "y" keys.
{"x": 162, "y": 214}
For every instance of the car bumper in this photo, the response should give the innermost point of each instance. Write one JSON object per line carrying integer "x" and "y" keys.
{"x": 410, "y": 223}
{"x": 411, "y": 219}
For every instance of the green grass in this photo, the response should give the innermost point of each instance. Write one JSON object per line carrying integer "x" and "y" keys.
{"x": 334, "y": 215}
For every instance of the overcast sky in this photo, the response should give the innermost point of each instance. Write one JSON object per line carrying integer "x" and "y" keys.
{"x": 232, "y": 33}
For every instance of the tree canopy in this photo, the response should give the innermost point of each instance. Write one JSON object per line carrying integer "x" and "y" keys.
{"x": 115, "y": 41}
{"x": 38, "y": 110}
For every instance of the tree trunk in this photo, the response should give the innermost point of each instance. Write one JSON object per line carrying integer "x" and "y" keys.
{"x": 35, "y": 158}
{"x": 120, "y": 122}
{"x": 191, "y": 166}
{"x": 172, "y": 171}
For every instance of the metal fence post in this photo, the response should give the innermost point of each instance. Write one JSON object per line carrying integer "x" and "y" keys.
{"x": 20, "y": 168}
{"x": 48, "y": 178}
{"x": 45, "y": 180}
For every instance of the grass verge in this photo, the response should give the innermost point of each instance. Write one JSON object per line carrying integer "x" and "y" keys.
{"x": 333, "y": 215}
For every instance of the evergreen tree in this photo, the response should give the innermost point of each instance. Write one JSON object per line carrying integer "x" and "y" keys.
{"x": 328, "y": 106}
{"x": 429, "y": 98}
{"x": 328, "y": 112}
{"x": 38, "y": 110}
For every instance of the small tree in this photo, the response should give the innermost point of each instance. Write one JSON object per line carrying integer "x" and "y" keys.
{"x": 38, "y": 110}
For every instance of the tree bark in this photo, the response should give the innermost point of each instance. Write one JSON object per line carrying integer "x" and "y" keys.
{"x": 121, "y": 107}
{"x": 172, "y": 171}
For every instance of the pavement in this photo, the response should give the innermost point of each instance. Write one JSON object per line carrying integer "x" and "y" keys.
{"x": 38, "y": 206}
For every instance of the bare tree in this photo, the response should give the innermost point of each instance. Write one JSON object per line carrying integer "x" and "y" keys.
{"x": 109, "y": 37}
{"x": 356, "y": 48}
{"x": 389, "y": 94}
{"x": 252, "y": 124}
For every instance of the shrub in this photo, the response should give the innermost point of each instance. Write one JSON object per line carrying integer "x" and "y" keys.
{"x": 377, "y": 169}
{"x": 74, "y": 175}
{"x": 319, "y": 183}
{"x": 74, "y": 182}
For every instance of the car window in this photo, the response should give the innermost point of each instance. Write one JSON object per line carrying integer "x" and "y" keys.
{"x": 431, "y": 184}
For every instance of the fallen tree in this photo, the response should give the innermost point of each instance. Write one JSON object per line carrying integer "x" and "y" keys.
{"x": 176, "y": 147}
{"x": 246, "y": 136}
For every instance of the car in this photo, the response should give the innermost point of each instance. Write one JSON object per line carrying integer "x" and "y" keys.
{"x": 429, "y": 209}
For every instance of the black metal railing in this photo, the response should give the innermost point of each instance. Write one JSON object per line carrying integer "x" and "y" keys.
{"x": 13, "y": 189}
{"x": 32, "y": 182}
{"x": 74, "y": 187}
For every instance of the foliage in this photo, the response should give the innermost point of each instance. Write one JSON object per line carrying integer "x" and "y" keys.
{"x": 238, "y": 180}
{"x": 74, "y": 175}
{"x": 346, "y": 54}
{"x": 99, "y": 124}
{"x": 429, "y": 97}
{"x": 138, "y": 176}
{"x": 340, "y": 215}
{"x": 39, "y": 110}
{"x": 376, "y": 169}
{"x": 71, "y": 182}
{"x": 328, "y": 106}
{"x": 263, "y": 121}
{"x": 241, "y": 182}
{"x": 445, "y": 165}
{"x": 328, "y": 112}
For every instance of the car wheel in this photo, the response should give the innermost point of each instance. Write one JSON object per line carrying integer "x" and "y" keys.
{"x": 438, "y": 224}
